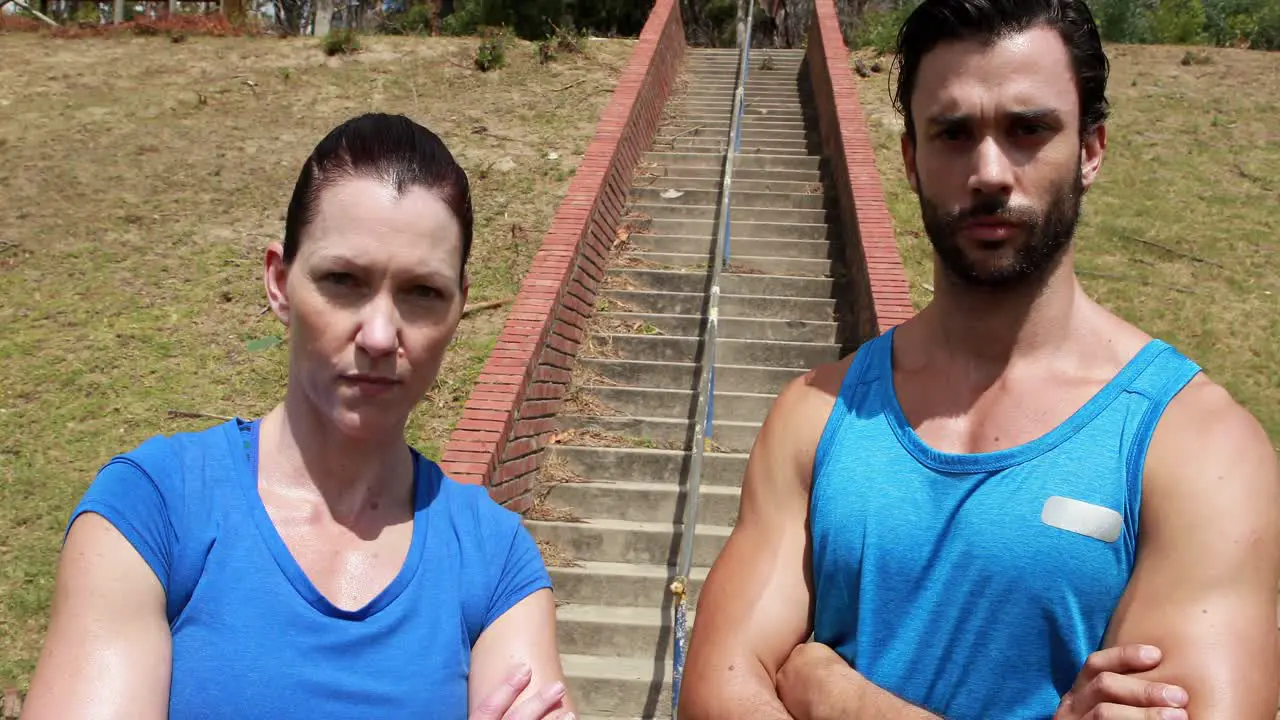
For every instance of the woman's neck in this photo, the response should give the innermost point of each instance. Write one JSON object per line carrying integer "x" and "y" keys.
{"x": 351, "y": 474}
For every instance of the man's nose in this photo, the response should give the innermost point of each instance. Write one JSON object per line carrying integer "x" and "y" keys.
{"x": 992, "y": 171}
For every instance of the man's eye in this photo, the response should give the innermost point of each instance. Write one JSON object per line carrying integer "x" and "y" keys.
{"x": 340, "y": 279}
{"x": 1032, "y": 129}
{"x": 953, "y": 134}
{"x": 425, "y": 291}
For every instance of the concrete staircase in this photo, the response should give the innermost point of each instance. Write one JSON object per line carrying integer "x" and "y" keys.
{"x": 615, "y": 473}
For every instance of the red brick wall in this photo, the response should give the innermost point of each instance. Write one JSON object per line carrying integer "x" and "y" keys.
{"x": 510, "y": 414}
{"x": 881, "y": 295}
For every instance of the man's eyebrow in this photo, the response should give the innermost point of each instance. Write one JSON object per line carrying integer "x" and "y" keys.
{"x": 1049, "y": 115}
{"x": 949, "y": 119}
{"x": 1036, "y": 115}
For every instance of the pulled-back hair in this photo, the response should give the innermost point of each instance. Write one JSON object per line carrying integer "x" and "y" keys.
{"x": 389, "y": 148}
{"x": 938, "y": 21}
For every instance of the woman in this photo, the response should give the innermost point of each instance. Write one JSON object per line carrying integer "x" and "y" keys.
{"x": 310, "y": 564}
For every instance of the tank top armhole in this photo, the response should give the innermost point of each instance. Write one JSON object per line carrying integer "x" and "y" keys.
{"x": 1175, "y": 371}
{"x": 840, "y": 410}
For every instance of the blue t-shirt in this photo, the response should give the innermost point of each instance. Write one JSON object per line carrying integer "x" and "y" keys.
{"x": 253, "y": 638}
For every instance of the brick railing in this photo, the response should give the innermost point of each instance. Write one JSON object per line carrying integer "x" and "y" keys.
{"x": 878, "y": 284}
{"x": 508, "y": 417}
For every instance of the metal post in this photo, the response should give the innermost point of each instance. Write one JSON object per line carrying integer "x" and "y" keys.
{"x": 117, "y": 15}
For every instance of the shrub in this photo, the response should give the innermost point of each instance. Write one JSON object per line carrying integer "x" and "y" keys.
{"x": 492, "y": 52}
{"x": 1178, "y": 22}
{"x": 341, "y": 41}
{"x": 878, "y": 29}
{"x": 417, "y": 20}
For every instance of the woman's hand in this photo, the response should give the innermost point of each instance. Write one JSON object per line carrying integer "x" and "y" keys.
{"x": 543, "y": 705}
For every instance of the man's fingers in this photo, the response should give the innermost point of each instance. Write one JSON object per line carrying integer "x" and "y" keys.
{"x": 1110, "y": 711}
{"x": 496, "y": 704}
{"x": 538, "y": 705}
{"x": 1116, "y": 689}
{"x": 1122, "y": 659}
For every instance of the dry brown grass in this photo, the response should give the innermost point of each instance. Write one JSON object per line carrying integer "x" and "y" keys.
{"x": 141, "y": 181}
{"x": 1192, "y": 171}
{"x": 582, "y": 402}
{"x": 555, "y": 556}
{"x": 593, "y": 437}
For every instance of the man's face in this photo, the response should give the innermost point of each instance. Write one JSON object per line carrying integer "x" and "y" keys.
{"x": 998, "y": 161}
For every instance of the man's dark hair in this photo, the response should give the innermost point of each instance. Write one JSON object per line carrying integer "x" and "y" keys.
{"x": 938, "y": 21}
{"x": 390, "y": 148}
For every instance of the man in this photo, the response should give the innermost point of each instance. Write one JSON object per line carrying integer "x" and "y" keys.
{"x": 989, "y": 511}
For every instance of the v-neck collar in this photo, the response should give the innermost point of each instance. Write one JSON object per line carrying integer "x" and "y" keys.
{"x": 244, "y": 442}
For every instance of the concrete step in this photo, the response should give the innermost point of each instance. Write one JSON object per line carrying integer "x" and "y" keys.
{"x": 737, "y": 214}
{"x": 730, "y": 283}
{"x": 648, "y": 402}
{"x": 629, "y": 542}
{"x": 744, "y": 229}
{"x": 676, "y": 182}
{"x": 684, "y": 376}
{"x": 776, "y": 266}
{"x": 741, "y": 198}
{"x": 712, "y": 160}
{"x": 645, "y": 502}
{"x": 647, "y": 465}
{"x": 612, "y": 631}
{"x": 604, "y": 583}
{"x": 697, "y": 130}
{"x": 731, "y": 435}
{"x": 614, "y": 687}
{"x": 816, "y": 250}
{"x": 746, "y": 306}
{"x": 765, "y": 147}
{"x": 734, "y": 327}
{"x": 756, "y": 353}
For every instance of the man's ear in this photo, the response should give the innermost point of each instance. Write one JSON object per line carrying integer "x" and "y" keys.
{"x": 909, "y": 162}
{"x": 1092, "y": 148}
{"x": 275, "y": 276}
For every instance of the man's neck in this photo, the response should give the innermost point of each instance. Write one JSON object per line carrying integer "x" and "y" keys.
{"x": 991, "y": 327}
{"x": 350, "y": 474}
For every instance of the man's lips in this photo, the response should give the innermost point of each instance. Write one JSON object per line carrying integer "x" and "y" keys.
{"x": 990, "y": 229}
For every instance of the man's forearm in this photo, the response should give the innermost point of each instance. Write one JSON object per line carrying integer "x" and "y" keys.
{"x": 737, "y": 693}
{"x": 816, "y": 684}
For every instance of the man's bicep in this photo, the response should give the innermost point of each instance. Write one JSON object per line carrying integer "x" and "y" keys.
{"x": 1203, "y": 589}
{"x": 107, "y": 651}
{"x": 754, "y": 608}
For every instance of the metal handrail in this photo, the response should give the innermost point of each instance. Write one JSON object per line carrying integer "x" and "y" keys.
{"x": 706, "y": 379}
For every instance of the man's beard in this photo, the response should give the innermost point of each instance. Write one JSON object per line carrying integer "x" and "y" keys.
{"x": 1048, "y": 235}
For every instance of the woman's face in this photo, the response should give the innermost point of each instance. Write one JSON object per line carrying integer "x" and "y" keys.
{"x": 372, "y": 300}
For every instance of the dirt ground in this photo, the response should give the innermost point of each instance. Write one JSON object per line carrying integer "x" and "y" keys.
{"x": 141, "y": 181}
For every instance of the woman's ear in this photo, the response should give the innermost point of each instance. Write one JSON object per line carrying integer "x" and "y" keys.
{"x": 275, "y": 276}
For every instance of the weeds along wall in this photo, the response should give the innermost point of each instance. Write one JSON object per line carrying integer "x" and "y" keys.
{"x": 881, "y": 297}
{"x": 510, "y": 414}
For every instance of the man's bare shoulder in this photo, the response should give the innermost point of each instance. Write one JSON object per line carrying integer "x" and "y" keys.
{"x": 1208, "y": 448}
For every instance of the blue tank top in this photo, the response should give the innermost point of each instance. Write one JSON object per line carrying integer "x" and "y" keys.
{"x": 976, "y": 585}
{"x": 254, "y": 638}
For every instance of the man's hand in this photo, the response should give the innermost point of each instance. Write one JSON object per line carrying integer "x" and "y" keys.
{"x": 543, "y": 705}
{"x": 1105, "y": 688}
{"x": 815, "y": 683}
{"x": 813, "y": 679}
